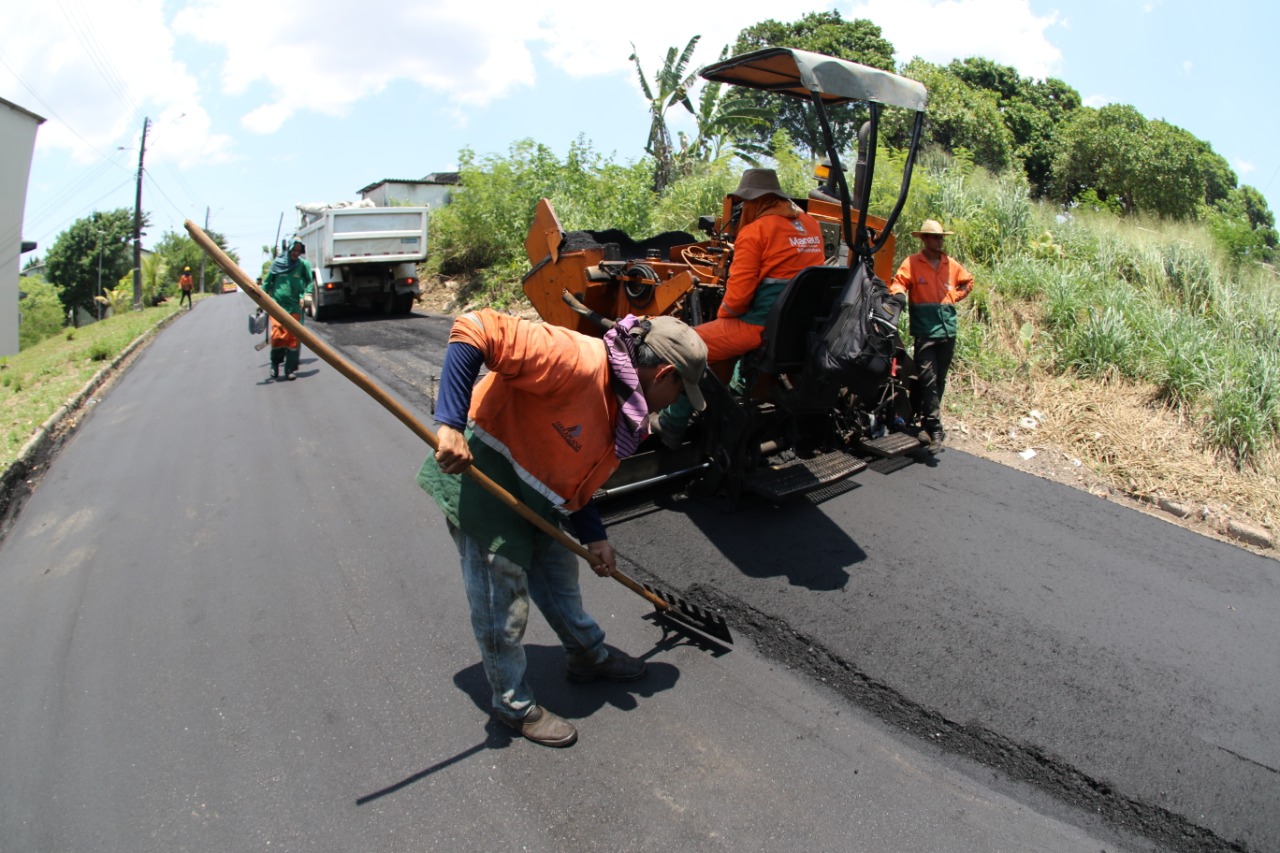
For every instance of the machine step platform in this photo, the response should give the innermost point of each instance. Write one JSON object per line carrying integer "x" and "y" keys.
{"x": 891, "y": 444}
{"x": 802, "y": 476}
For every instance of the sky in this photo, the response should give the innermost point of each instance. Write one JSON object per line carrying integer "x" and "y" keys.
{"x": 256, "y": 107}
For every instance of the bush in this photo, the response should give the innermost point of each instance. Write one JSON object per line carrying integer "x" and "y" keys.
{"x": 482, "y": 231}
{"x": 41, "y": 311}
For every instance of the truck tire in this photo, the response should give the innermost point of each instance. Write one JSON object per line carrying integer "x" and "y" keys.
{"x": 404, "y": 303}
{"x": 319, "y": 313}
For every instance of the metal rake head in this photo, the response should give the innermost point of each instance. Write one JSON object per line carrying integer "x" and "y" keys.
{"x": 693, "y": 616}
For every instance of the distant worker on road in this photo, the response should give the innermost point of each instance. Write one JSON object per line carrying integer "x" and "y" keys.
{"x": 184, "y": 286}
{"x": 774, "y": 242}
{"x": 286, "y": 282}
{"x": 934, "y": 283}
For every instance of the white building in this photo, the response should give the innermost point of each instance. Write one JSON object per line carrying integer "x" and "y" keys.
{"x": 17, "y": 142}
{"x": 432, "y": 191}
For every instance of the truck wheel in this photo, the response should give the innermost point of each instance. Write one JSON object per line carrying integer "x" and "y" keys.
{"x": 318, "y": 313}
{"x": 404, "y": 303}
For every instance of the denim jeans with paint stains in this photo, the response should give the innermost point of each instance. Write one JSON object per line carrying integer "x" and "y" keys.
{"x": 499, "y": 591}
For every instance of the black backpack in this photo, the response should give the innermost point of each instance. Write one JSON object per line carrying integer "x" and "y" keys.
{"x": 858, "y": 340}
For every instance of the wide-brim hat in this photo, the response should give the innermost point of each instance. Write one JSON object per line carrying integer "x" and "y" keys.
{"x": 678, "y": 344}
{"x": 756, "y": 183}
{"x": 933, "y": 227}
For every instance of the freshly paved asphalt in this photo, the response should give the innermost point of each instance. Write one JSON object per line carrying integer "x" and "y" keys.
{"x": 230, "y": 620}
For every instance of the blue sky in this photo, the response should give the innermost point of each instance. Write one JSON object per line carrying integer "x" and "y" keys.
{"x": 256, "y": 107}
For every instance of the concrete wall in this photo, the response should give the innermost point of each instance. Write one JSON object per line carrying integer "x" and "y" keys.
{"x": 416, "y": 194}
{"x": 17, "y": 141}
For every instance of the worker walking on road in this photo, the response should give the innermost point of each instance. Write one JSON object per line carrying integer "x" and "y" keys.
{"x": 548, "y": 423}
{"x": 933, "y": 283}
{"x": 184, "y": 287}
{"x": 286, "y": 282}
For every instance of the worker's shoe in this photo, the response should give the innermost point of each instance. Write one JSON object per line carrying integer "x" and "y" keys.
{"x": 275, "y": 372}
{"x": 289, "y": 375}
{"x": 542, "y": 726}
{"x": 617, "y": 666}
{"x": 663, "y": 430}
{"x": 937, "y": 435}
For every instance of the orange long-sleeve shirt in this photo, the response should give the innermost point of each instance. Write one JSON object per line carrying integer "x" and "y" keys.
{"x": 774, "y": 245}
{"x": 932, "y": 293}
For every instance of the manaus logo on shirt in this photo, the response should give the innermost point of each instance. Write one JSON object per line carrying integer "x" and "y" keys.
{"x": 569, "y": 434}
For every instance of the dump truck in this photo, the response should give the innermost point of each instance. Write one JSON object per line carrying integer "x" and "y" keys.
{"x": 363, "y": 256}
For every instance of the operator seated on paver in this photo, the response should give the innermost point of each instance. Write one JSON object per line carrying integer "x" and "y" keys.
{"x": 549, "y": 423}
{"x": 774, "y": 242}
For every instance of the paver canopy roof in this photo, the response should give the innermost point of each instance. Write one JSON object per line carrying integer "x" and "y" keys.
{"x": 800, "y": 72}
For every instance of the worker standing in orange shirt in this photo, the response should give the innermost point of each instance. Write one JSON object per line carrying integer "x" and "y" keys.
{"x": 934, "y": 283}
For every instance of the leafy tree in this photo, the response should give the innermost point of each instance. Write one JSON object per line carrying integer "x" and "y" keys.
{"x": 726, "y": 118}
{"x": 178, "y": 250}
{"x": 41, "y": 311}
{"x": 1100, "y": 149}
{"x": 1254, "y": 206}
{"x": 1176, "y": 172}
{"x": 821, "y": 32}
{"x": 671, "y": 87}
{"x": 1242, "y": 226}
{"x": 72, "y": 261}
{"x": 1032, "y": 110}
{"x": 157, "y": 277}
{"x": 959, "y": 116}
{"x": 1148, "y": 166}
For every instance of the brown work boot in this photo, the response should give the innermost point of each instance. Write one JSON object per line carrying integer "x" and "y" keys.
{"x": 542, "y": 726}
{"x": 618, "y": 666}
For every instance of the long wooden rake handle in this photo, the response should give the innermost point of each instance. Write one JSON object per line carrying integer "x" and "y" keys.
{"x": 338, "y": 363}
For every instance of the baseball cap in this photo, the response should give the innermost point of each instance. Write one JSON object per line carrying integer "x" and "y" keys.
{"x": 677, "y": 344}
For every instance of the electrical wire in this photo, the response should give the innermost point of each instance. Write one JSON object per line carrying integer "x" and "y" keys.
{"x": 101, "y": 60}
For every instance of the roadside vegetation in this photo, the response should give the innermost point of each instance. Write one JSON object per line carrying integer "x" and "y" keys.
{"x": 39, "y": 379}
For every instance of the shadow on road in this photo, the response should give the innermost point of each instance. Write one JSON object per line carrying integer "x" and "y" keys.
{"x": 546, "y": 674}
{"x": 574, "y": 701}
{"x": 796, "y": 541}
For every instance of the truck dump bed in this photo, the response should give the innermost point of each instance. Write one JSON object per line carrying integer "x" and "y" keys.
{"x": 366, "y": 235}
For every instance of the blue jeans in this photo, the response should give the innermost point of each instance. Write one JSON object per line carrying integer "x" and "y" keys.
{"x": 499, "y": 592}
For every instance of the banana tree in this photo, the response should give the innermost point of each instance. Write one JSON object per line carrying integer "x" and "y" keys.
{"x": 671, "y": 87}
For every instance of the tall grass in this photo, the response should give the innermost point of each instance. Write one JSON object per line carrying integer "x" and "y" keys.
{"x": 1144, "y": 300}
{"x": 1079, "y": 291}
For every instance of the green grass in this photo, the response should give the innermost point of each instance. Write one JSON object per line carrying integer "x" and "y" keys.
{"x": 35, "y": 382}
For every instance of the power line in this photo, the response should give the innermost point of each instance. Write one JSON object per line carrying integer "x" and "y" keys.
{"x": 100, "y": 58}
{"x": 48, "y": 108}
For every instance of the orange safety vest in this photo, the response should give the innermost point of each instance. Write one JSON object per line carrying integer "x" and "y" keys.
{"x": 545, "y": 404}
{"x": 185, "y": 282}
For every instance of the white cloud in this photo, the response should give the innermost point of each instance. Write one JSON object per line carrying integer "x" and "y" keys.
{"x": 324, "y": 55}
{"x": 1004, "y": 31}
{"x": 1243, "y": 168}
{"x": 96, "y": 69}
{"x": 1186, "y": 67}
{"x": 1097, "y": 101}
{"x": 103, "y": 64}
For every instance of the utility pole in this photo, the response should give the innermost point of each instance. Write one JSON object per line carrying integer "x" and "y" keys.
{"x": 202, "y": 254}
{"x": 137, "y": 224}
{"x": 98, "y": 301}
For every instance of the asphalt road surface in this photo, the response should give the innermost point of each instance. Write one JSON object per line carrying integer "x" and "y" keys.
{"x": 229, "y": 620}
